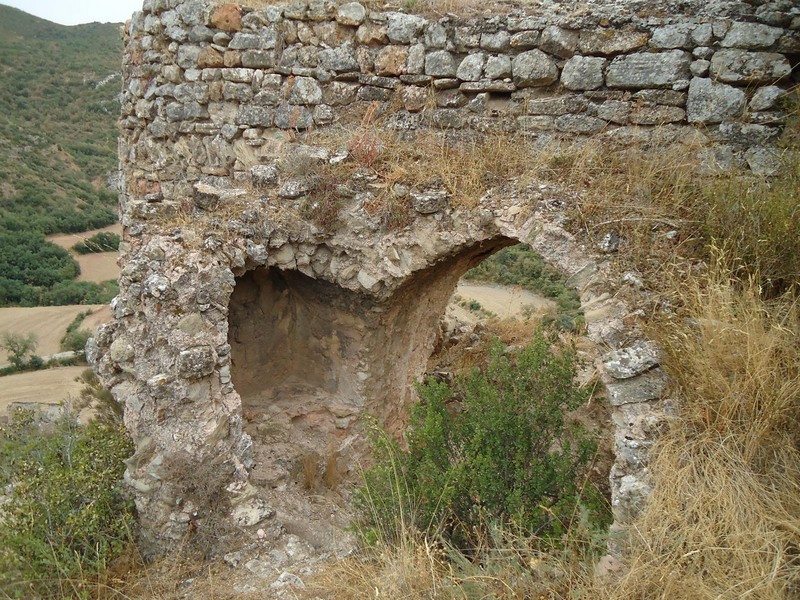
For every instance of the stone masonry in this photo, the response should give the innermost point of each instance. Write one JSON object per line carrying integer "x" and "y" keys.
{"x": 241, "y": 329}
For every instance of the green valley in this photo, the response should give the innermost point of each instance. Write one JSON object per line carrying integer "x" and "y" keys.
{"x": 58, "y": 112}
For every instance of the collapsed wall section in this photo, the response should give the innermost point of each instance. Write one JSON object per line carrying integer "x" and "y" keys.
{"x": 242, "y": 318}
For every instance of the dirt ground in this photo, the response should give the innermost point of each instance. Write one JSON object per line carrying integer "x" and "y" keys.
{"x": 504, "y": 301}
{"x": 68, "y": 240}
{"x": 96, "y": 267}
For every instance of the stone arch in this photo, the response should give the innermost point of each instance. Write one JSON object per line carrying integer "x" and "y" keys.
{"x": 217, "y": 97}
{"x": 193, "y": 297}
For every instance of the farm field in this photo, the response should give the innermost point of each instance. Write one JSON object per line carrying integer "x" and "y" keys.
{"x": 48, "y": 324}
{"x": 502, "y": 300}
{"x": 95, "y": 267}
{"x": 49, "y": 386}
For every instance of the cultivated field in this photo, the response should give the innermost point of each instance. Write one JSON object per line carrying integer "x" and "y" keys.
{"x": 49, "y": 386}
{"x": 97, "y": 267}
{"x": 504, "y": 301}
{"x": 48, "y": 324}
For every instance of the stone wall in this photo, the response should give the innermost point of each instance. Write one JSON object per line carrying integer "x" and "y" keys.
{"x": 212, "y": 83}
{"x": 241, "y": 329}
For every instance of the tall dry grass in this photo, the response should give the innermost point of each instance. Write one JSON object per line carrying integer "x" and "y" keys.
{"x": 724, "y": 517}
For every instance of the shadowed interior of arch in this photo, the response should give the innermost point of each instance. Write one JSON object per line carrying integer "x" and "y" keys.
{"x": 310, "y": 358}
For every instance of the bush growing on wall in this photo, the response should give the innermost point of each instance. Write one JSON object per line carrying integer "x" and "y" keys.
{"x": 494, "y": 446}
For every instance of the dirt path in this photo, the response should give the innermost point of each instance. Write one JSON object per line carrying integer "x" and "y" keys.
{"x": 503, "y": 301}
{"x": 68, "y": 240}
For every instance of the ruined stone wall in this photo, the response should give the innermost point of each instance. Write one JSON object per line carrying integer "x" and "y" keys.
{"x": 245, "y": 336}
{"x": 210, "y": 84}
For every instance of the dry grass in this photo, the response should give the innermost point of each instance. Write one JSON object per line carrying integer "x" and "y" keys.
{"x": 724, "y": 518}
{"x": 387, "y": 166}
{"x": 507, "y": 566}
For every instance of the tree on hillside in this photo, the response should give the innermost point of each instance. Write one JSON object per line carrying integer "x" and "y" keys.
{"x": 19, "y": 347}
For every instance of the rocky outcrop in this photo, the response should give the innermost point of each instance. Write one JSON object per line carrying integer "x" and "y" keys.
{"x": 251, "y": 332}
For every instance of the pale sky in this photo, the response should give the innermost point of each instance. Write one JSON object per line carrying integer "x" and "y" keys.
{"x": 75, "y": 12}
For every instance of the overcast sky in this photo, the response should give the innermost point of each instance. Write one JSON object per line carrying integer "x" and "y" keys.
{"x": 74, "y": 12}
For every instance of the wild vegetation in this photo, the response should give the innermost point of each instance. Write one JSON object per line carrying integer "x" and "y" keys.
{"x": 492, "y": 449}
{"x": 65, "y": 514}
{"x": 57, "y": 150}
{"x": 718, "y": 256}
{"x": 104, "y": 241}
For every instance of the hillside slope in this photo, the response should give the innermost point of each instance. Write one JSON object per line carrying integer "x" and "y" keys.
{"x": 58, "y": 112}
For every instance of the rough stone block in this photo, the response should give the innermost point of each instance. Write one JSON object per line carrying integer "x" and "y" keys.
{"x": 497, "y": 67}
{"x": 582, "y": 124}
{"x": 751, "y": 36}
{"x": 766, "y": 97}
{"x": 533, "y": 69}
{"x": 339, "y": 60}
{"x": 668, "y": 37}
{"x": 525, "y": 40}
{"x": 196, "y": 362}
{"x": 740, "y": 66}
{"x": 258, "y": 59}
{"x": 645, "y": 70}
{"x": 305, "y": 90}
{"x": 495, "y": 42}
{"x": 559, "y": 105}
{"x": 471, "y": 68}
{"x": 558, "y": 41}
{"x": 254, "y": 116}
{"x": 583, "y": 72}
{"x": 403, "y": 28}
{"x": 188, "y": 56}
{"x": 632, "y": 360}
{"x": 209, "y": 59}
{"x": 711, "y": 102}
{"x": 351, "y": 13}
{"x": 391, "y": 60}
{"x": 371, "y": 33}
{"x": 609, "y": 41}
{"x": 440, "y": 63}
{"x": 293, "y": 117}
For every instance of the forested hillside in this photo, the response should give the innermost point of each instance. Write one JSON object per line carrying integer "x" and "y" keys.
{"x": 58, "y": 111}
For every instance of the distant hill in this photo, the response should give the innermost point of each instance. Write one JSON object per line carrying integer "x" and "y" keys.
{"x": 58, "y": 138}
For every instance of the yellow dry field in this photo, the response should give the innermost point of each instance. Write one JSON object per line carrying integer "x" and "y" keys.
{"x": 96, "y": 267}
{"x": 48, "y": 324}
{"x": 49, "y": 386}
{"x": 504, "y": 301}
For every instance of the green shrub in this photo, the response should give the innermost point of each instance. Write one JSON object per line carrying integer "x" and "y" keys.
{"x": 105, "y": 241}
{"x": 19, "y": 347}
{"x": 75, "y": 338}
{"x": 506, "y": 454}
{"x": 79, "y": 292}
{"x": 66, "y": 516}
